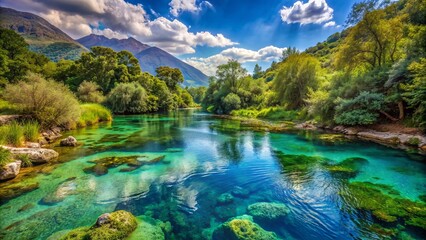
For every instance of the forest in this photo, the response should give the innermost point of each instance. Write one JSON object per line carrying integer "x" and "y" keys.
{"x": 371, "y": 72}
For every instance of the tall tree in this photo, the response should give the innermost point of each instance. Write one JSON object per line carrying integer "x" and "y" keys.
{"x": 171, "y": 76}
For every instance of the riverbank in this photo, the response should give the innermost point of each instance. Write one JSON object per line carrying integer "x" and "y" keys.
{"x": 393, "y": 136}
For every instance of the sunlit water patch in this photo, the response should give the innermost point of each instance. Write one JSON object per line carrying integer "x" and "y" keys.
{"x": 185, "y": 173}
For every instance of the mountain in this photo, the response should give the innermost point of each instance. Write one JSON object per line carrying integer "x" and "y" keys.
{"x": 154, "y": 57}
{"x": 42, "y": 36}
{"x": 149, "y": 58}
{"x": 132, "y": 45}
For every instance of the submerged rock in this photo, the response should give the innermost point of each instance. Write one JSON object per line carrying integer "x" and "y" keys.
{"x": 150, "y": 228}
{"x": 225, "y": 198}
{"x": 115, "y": 225}
{"x": 64, "y": 189}
{"x": 14, "y": 190}
{"x": 266, "y": 211}
{"x": 242, "y": 228}
{"x": 298, "y": 163}
{"x": 69, "y": 142}
{"x": 10, "y": 170}
{"x": 240, "y": 192}
{"x": 225, "y": 212}
{"x": 36, "y": 155}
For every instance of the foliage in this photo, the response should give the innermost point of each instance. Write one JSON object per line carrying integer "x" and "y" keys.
{"x": 171, "y": 76}
{"x": 297, "y": 73}
{"x": 128, "y": 98}
{"x": 90, "y": 92}
{"x": 31, "y": 130}
{"x": 415, "y": 92}
{"x": 5, "y": 156}
{"x": 12, "y": 134}
{"x": 361, "y": 110}
{"x": 92, "y": 114}
{"x": 49, "y": 102}
{"x": 270, "y": 113}
{"x": 197, "y": 93}
{"x": 231, "y": 102}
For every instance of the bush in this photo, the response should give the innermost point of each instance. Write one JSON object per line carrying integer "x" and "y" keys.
{"x": 5, "y": 156}
{"x": 128, "y": 98}
{"x": 12, "y": 134}
{"x": 271, "y": 113}
{"x": 231, "y": 102}
{"x": 90, "y": 92}
{"x": 49, "y": 102}
{"x": 31, "y": 131}
{"x": 361, "y": 110}
{"x": 92, "y": 114}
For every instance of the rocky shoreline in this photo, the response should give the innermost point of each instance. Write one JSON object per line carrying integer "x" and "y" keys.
{"x": 401, "y": 140}
{"x": 36, "y": 152}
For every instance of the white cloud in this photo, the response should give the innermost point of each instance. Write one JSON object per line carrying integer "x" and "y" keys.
{"x": 314, "y": 11}
{"x": 120, "y": 19}
{"x": 179, "y": 6}
{"x": 330, "y": 24}
{"x": 209, "y": 65}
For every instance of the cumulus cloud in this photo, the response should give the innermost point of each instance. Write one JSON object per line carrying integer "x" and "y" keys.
{"x": 314, "y": 11}
{"x": 209, "y": 65}
{"x": 179, "y": 6}
{"x": 330, "y": 24}
{"x": 119, "y": 19}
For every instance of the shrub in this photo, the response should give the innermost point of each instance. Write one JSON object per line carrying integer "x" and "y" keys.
{"x": 49, "y": 102}
{"x": 271, "y": 113}
{"x": 31, "y": 130}
{"x": 26, "y": 161}
{"x": 5, "y": 156}
{"x": 90, "y": 92}
{"x": 231, "y": 102}
{"x": 12, "y": 133}
{"x": 361, "y": 110}
{"x": 92, "y": 114}
{"x": 128, "y": 98}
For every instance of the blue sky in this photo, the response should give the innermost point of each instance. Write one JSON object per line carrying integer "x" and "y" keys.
{"x": 200, "y": 32}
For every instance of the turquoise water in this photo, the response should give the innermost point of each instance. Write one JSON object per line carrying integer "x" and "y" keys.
{"x": 176, "y": 197}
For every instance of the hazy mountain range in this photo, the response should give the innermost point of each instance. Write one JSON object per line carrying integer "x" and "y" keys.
{"x": 49, "y": 40}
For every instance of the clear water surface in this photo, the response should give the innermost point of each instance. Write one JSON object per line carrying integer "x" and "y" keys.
{"x": 202, "y": 162}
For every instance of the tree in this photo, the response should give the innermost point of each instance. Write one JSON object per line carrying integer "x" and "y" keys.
{"x": 361, "y": 110}
{"x": 128, "y": 98}
{"x": 231, "y": 102}
{"x": 297, "y": 74}
{"x": 171, "y": 76}
{"x": 257, "y": 72}
{"x": 360, "y": 9}
{"x": 90, "y": 92}
{"x": 289, "y": 51}
{"x": 50, "y": 102}
{"x": 228, "y": 75}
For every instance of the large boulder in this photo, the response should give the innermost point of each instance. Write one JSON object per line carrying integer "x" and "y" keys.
{"x": 242, "y": 228}
{"x": 10, "y": 170}
{"x": 69, "y": 142}
{"x": 267, "y": 211}
{"x": 36, "y": 155}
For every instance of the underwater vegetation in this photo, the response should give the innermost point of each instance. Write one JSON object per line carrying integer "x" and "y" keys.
{"x": 111, "y": 226}
{"x": 385, "y": 204}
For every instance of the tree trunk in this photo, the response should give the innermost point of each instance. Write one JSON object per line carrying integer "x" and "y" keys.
{"x": 388, "y": 116}
{"x": 401, "y": 110}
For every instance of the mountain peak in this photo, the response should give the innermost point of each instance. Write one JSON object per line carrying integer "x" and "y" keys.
{"x": 129, "y": 44}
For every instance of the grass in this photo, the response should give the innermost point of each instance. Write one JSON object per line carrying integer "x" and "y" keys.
{"x": 92, "y": 113}
{"x": 16, "y": 133}
{"x": 8, "y": 108}
{"x": 271, "y": 113}
{"x": 26, "y": 161}
{"x": 5, "y": 156}
{"x": 31, "y": 131}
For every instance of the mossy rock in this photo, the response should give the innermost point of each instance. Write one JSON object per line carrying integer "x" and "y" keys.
{"x": 266, "y": 211}
{"x": 111, "y": 226}
{"x": 102, "y": 165}
{"x": 16, "y": 190}
{"x": 224, "y": 198}
{"x": 298, "y": 163}
{"x": 242, "y": 229}
{"x": 348, "y": 167}
{"x": 385, "y": 204}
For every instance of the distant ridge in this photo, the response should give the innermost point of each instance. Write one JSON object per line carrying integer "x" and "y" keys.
{"x": 130, "y": 44}
{"x": 149, "y": 57}
{"x": 42, "y": 36}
